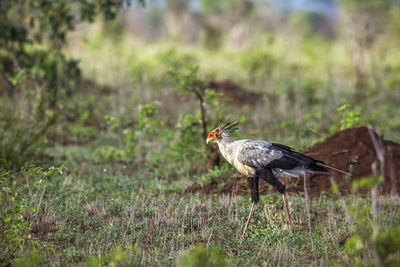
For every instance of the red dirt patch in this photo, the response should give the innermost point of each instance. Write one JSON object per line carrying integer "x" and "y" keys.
{"x": 351, "y": 150}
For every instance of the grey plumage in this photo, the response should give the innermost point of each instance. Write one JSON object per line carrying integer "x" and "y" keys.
{"x": 283, "y": 160}
{"x": 260, "y": 159}
{"x": 249, "y": 156}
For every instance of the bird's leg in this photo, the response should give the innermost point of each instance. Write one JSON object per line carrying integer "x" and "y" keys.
{"x": 270, "y": 178}
{"x": 253, "y": 206}
{"x": 287, "y": 211}
{"x": 253, "y": 183}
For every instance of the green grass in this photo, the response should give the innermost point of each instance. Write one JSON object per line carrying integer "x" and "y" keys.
{"x": 92, "y": 210}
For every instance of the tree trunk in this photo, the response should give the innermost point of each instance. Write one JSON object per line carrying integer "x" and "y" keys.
{"x": 212, "y": 154}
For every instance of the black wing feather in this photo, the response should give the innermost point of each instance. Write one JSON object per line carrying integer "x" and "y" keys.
{"x": 292, "y": 159}
{"x": 284, "y": 163}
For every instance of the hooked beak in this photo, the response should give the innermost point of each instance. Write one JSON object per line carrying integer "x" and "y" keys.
{"x": 208, "y": 140}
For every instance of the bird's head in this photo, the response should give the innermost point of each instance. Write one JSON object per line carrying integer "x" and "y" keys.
{"x": 214, "y": 135}
{"x": 220, "y": 132}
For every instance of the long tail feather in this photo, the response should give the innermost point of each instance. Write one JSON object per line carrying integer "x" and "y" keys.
{"x": 317, "y": 166}
{"x": 335, "y": 169}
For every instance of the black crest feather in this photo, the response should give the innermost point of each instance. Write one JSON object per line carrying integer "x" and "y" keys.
{"x": 230, "y": 126}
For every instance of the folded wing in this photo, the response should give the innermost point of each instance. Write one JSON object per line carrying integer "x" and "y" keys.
{"x": 261, "y": 154}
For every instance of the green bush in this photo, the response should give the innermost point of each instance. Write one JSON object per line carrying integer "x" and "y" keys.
{"x": 348, "y": 118}
{"x": 34, "y": 71}
{"x": 201, "y": 256}
{"x": 16, "y": 188}
{"x": 21, "y": 143}
{"x": 29, "y": 258}
{"x": 372, "y": 235}
{"x": 130, "y": 133}
{"x": 122, "y": 256}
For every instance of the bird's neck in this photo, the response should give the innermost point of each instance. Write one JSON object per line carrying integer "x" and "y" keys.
{"x": 224, "y": 141}
{"x": 225, "y": 148}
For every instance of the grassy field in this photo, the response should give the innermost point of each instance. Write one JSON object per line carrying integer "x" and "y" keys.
{"x": 104, "y": 213}
{"x": 114, "y": 213}
{"x": 100, "y": 137}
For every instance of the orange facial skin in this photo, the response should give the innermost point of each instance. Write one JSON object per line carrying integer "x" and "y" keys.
{"x": 211, "y": 137}
{"x": 214, "y": 135}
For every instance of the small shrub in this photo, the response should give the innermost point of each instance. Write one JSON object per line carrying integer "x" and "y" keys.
{"x": 131, "y": 133}
{"x": 188, "y": 82}
{"x": 30, "y": 258}
{"x": 349, "y": 118}
{"x": 371, "y": 234}
{"x": 15, "y": 188}
{"x": 22, "y": 143}
{"x": 122, "y": 256}
{"x": 201, "y": 256}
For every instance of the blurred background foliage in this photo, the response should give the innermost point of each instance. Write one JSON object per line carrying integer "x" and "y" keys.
{"x": 133, "y": 86}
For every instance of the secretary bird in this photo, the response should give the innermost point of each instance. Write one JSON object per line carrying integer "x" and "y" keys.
{"x": 260, "y": 159}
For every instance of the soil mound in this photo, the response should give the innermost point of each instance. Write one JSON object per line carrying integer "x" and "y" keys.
{"x": 356, "y": 150}
{"x": 353, "y": 150}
